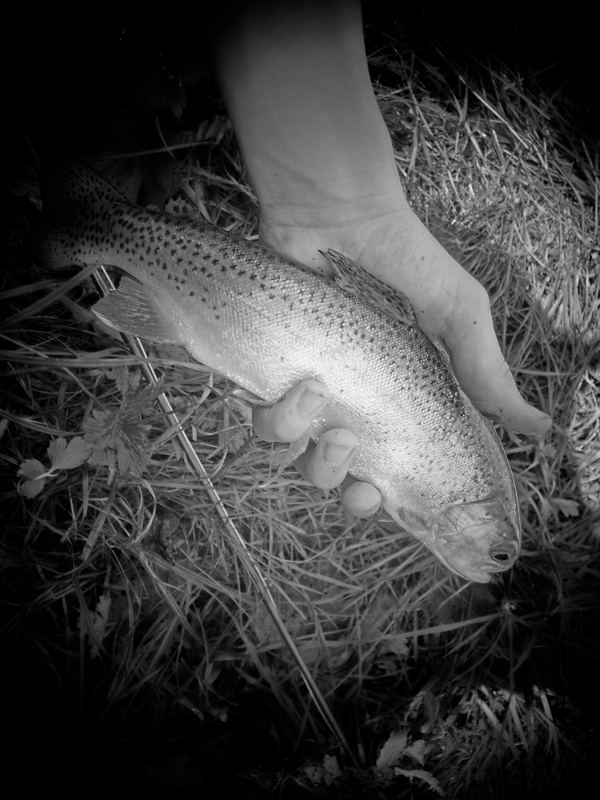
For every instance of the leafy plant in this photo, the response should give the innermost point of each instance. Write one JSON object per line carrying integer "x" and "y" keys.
{"x": 116, "y": 436}
{"x": 62, "y": 456}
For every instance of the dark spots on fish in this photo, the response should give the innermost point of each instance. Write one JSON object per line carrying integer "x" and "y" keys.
{"x": 191, "y": 293}
{"x": 271, "y": 297}
{"x": 252, "y": 276}
{"x": 164, "y": 267}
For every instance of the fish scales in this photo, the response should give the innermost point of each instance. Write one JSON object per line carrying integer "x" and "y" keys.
{"x": 267, "y": 324}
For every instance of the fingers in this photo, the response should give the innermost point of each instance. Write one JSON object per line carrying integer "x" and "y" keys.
{"x": 361, "y": 499}
{"x": 326, "y": 463}
{"x": 291, "y": 417}
{"x": 482, "y": 371}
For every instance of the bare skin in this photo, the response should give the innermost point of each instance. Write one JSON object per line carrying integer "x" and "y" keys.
{"x": 295, "y": 79}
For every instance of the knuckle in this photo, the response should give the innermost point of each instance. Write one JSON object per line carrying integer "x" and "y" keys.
{"x": 277, "y": 423}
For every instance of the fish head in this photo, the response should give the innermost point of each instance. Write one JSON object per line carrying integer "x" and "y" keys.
{"x": 478, "y": 538}
{"x": 474, "y": 539}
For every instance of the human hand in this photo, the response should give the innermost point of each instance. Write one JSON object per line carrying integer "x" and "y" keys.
{"x": 450, "y": 305}
{"x": 324, "y": 463}
{"x": 296, "y": 83}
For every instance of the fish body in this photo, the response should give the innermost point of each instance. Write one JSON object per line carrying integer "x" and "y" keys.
{"x": 266, "y": 324}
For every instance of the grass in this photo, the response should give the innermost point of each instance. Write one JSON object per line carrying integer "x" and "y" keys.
{"x": 119, "y": 579}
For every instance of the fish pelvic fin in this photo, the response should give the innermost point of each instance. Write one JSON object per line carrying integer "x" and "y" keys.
{"x": 354, "y": 279}
{"x": 131, "y": 310}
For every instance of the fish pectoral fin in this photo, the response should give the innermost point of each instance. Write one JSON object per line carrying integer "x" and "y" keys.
{"x": 356, "y": 280}
{"x": 129, "y": 309}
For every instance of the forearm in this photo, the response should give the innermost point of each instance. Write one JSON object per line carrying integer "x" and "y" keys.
{"x": 295, "y": 79}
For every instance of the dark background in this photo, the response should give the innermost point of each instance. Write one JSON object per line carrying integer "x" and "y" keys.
{"x": 74, "y": 73}
{"x": 74, "y": 77}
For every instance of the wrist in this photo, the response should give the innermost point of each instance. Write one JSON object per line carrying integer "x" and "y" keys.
{"x": 295, "y": 80}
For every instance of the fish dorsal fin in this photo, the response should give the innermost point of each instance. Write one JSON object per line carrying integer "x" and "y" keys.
{"x": 354, "y": 279}
{"x": 129, "y": 309}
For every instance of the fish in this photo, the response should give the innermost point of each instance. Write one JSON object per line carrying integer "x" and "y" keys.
{"x": 266, "y": 324}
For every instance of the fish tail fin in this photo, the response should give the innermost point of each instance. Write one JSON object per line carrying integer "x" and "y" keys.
{"x": 77, "y": 212}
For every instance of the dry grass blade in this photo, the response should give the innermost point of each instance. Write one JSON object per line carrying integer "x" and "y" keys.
{"x": 237, "y": 542}
{"x": 480, "y": 691}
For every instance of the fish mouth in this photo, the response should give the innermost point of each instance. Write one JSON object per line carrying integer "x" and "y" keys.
{"x": 474, "y": 563}
{"x": 478, "y": 571}
{"x": 475, "y": 573}
{"x": 474, "y": 552}
{"x": 472, "y": 575}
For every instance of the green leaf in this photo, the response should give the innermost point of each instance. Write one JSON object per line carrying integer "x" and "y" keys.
{"x": 127, "y": 380}
{"x": 391, "y": 750}
{"x": 34, "y": 473}
{"x": 70, "y": 457}
{"x": 56, "y": 448}
{"x": 31, "y": 488}
{"x": 570, "y": 508}
{"x": 31, "y": 468}
{"x": 422, "y": 775}
{"x": 99, "y": 623}
{"x": 417, "y": 751}
{"x": 331, "y": 770}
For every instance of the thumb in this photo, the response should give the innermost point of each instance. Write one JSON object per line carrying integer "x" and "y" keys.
{"x": 482, "y": 371}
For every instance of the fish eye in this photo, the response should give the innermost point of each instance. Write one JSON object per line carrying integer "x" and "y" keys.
{"x": 501, "y": 555}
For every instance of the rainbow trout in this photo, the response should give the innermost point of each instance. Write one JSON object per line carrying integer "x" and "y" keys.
{"x": 267, "y": 324}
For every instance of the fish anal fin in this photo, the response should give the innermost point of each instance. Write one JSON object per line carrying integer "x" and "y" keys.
{"x": 354, "y": 279}
{"x": 130, "y": 309}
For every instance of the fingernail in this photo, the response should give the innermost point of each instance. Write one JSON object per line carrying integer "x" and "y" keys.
{"x": 536, "y": 423}
{"x": 541, "y": 420}
{"x": 337, "y": 454}
{"x": 310, "y": 403}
